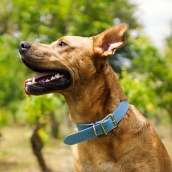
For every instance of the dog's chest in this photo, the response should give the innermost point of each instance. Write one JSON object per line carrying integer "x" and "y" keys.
{"x": 93, "y": 159}
{"x": 93, "y": 166}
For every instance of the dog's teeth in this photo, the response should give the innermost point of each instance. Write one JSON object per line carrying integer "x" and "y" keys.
{"x": 53, "y": 78}
{"x": 29, "y": 83}
{"x": 57, "y": 76}
{"x": 47, "y": 80}
{"x": 33, "y": 81}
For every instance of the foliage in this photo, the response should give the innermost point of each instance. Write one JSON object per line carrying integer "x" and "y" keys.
{"x": 155, "y": 69}
{"x": 148, "y": 83}
{"x": 3, "y": 117}
{"x": 43, "y": 135}
{"x": 11, "y": 71}
{"x": 38, "y": 108}
{"x": 167, "y": 78}
{"x": 138, "y": 93}
{"x": 46, "y": 21}
{"x": 50, "y": 19}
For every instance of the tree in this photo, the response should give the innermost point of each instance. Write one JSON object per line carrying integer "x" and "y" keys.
{"x": 45, "y": 21}
{"x": 40, "y": 112}
{"x": 12, "y": 72}
{"x": 138, "y": 93}
{"x": 167, "y": 78}
{"x": 155, "y": 69}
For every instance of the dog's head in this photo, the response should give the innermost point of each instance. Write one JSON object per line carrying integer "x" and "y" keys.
{"x": 69, "y": 61}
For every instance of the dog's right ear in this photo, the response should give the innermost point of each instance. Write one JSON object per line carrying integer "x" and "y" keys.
{"x": 106, "y": 43}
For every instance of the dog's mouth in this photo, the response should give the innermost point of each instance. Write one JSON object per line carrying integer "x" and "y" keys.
{"x": 46, "y": 81}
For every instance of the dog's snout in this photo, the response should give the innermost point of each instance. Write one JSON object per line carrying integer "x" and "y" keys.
{"x": 24, "y": 46}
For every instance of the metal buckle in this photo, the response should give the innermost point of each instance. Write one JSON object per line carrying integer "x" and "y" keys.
{"x": 113, "y": 120}
{"x": 94, "y": 129}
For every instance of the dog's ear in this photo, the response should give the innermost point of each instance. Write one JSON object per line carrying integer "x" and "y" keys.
{"x": 106, "y": 43}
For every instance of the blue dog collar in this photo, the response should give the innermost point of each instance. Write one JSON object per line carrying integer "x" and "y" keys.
{"x": 89, "y": 131}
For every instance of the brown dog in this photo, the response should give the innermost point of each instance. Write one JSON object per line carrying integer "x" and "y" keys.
{"x": 77, "y": 68}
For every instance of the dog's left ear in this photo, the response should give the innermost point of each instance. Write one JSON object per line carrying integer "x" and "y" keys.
{"x": 106, "y": 43}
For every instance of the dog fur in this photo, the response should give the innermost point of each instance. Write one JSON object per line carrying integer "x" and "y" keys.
{"x": 95, "y": 91}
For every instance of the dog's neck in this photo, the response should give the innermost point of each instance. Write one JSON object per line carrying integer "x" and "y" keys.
{"x": 97, "y": 99}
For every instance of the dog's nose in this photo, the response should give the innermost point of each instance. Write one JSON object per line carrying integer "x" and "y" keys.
{"x": 24, "y": 46}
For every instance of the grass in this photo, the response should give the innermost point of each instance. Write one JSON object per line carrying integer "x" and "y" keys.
{"x": 16, "y": 154}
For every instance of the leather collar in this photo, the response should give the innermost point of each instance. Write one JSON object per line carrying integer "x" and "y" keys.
{"x": 95, "y": 129}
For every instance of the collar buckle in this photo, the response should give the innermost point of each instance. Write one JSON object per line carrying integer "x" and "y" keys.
{"x": 94, "y": 129}
{"x": 113, "y": 120}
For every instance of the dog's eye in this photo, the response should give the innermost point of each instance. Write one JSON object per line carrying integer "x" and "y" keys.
{"x": 62, "y": 44}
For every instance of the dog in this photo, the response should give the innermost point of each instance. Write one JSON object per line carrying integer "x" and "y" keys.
{"x": 112, "y": 135}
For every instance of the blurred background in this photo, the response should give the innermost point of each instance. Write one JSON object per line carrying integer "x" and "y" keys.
{"x": 32, "y": 129}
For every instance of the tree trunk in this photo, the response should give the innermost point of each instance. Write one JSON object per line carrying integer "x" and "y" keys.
{"x": 54, "y": 126}
{"x": 37, "y": 146}
{"x": 1, "y": 137}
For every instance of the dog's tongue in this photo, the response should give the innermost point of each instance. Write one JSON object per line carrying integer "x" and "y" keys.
{"x": 44, "y": 74}
{"x": 28, "y": 80}
{"x": 36, "y": 78}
